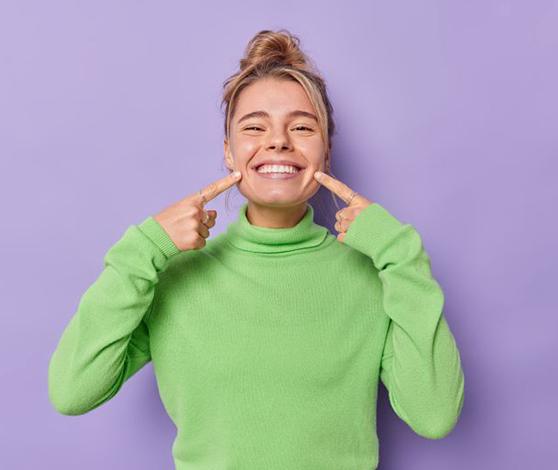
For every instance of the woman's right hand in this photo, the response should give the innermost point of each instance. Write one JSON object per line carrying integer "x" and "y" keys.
{"x": 187, "y": 222}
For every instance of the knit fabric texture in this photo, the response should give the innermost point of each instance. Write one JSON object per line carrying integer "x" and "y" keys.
{"x": 268, "y": 344}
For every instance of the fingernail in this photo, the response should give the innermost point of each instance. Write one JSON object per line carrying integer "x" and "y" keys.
{"x": 318, "y": 175}
{"x": 236, "y": 173}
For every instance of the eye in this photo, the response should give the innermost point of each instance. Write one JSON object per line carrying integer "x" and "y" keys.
{"x": 303, "y": 127}
{"x": 252, "y": 127}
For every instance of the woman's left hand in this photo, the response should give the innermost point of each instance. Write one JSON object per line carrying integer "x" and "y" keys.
{"x": 355, "y": 202}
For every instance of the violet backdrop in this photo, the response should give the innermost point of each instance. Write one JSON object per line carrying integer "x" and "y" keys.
{"x": 446, "y": 114}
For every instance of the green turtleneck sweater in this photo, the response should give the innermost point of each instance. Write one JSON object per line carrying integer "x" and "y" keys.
{"x": 268, "y": 344}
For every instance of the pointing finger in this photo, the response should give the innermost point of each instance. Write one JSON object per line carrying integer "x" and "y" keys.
{"x": 335, "y": 186}
{"x": 212, "y": 190}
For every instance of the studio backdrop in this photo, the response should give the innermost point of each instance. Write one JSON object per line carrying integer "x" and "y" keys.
{"x": 445, "y": 114}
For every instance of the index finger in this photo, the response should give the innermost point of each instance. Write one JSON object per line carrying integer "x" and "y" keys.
{"x": 337, "y": 187}
{"x": 212, "y": 190}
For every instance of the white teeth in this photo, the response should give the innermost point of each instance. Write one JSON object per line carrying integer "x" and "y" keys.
{"x": 277, "y": 169}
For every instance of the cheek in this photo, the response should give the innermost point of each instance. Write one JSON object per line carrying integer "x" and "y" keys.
{"x": 245, "y": 149}
{"x": 313, "y": 152}
{"x": 242, "y": 153}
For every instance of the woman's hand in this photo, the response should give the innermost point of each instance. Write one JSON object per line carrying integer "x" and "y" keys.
{"x": 356, "y": 202}
{"x": 186, "y": 222}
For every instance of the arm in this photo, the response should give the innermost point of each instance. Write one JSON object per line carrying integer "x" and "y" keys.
{"x": 421, "y": 365}
{"x": 107, "y": 341}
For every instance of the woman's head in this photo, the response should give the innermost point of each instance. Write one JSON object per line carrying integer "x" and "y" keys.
{"x": 277, "y": 108}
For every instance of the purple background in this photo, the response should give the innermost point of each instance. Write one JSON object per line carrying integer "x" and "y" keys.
{"x": 446, "y": 114}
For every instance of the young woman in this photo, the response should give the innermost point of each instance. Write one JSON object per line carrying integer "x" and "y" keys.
{"x": 268, "y": 341}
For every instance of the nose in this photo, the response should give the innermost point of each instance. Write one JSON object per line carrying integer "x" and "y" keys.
{"x": 278, "y": 140}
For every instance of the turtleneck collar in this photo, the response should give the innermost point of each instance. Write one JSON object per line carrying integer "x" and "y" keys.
{"x": 245, "y": 236}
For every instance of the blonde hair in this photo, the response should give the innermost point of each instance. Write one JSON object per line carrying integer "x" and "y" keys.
{"x": 277, "y": 54}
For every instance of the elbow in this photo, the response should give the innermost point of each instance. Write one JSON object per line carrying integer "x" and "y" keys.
{"x": 446, "y": 417}
{"x": 442, "y": 424}
{"x": 61, "y": 399}
{"x": 63, "y": 394}
{"x": 62, "y": 404}
{"x": 67, "y": 410}
{"x": 57, "y": 393}
{"x": 436, "y": 430}
{"x": 78, "y": 397}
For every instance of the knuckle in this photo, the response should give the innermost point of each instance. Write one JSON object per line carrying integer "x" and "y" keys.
{"x": 191, "y": 210}
{"x": 211, "y": 188}
{"x": 192, "y": 238}
{"x": 198, "y": 242}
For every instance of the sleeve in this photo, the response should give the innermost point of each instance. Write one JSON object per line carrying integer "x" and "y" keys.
{"x": 421, "y": 365}
{"x": 107, "y": 340}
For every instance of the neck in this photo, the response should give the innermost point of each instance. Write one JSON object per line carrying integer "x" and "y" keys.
{"x": 303, "y": 235}
{"x": 275, "y": 217}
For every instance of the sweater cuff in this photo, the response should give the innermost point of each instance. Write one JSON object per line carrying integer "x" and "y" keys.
{"x": 157, "y": 234}
{"x": 372, "y": 230}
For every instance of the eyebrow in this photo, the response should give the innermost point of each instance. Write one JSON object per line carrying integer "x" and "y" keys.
{"x": 263, "y": 114}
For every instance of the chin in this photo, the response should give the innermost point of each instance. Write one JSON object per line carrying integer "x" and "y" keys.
{"x": 278, "y": 201}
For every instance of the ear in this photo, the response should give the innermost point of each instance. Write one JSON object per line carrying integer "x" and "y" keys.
{"x": 229, "y": 161}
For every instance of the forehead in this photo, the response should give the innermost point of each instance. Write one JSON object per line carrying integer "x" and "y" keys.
{"x": 276, "y": 97}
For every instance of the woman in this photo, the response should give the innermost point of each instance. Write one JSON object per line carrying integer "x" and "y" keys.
{"x": 268, "y": 341}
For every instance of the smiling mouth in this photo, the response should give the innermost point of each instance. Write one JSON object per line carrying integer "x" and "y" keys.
{"x": 279, "y": 175}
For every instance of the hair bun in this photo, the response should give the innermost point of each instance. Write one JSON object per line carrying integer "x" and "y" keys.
{"x": 272, "y": 48}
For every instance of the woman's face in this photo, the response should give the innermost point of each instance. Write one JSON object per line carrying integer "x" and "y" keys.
{"x": 274, "y": 121}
